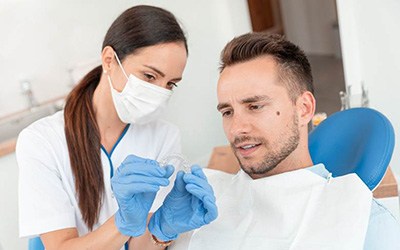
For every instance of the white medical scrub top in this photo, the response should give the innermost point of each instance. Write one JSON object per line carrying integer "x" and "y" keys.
{"x": 47, "y": 196}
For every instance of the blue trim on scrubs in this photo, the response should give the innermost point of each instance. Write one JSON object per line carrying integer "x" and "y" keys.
{"x": 109, "y": 160}
{"x": 112, "y": 150}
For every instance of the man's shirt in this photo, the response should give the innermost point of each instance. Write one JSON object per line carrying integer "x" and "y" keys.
{"x": 383, "y": 229}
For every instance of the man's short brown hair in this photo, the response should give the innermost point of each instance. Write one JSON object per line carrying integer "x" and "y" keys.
{"x": 294, "y": 67}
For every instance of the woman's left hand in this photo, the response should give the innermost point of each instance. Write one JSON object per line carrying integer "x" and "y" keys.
{"x": 189, "y": 205}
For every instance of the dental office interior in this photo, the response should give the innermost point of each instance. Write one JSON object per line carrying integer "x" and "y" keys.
{"x": 46, "y": 46}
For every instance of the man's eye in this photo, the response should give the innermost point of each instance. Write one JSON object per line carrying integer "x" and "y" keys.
{"x": 226, "y": 113}
{"x": 149, "y": 77}
{"x": 256, "y": 107}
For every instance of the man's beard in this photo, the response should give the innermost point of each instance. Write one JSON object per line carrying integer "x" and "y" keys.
{"x": 275, "y": 153}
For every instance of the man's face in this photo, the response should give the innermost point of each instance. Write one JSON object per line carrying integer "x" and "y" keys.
{"x": 259, "y": 118}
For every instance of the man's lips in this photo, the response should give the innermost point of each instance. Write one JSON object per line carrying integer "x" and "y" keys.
{"x": 245, "y": 149}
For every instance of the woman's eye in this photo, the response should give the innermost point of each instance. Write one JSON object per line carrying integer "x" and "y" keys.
{"x": 149, "y": 77}
{"x": 171, "y": 85}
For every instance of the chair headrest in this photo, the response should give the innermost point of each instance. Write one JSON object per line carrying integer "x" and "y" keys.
{"x": 358, "y": 140}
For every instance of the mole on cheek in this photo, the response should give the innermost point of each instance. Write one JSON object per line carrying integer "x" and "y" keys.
{"x": 278, "y": 113}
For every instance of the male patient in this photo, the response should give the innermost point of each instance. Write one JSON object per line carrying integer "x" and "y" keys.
{"x": 280, "y": 199}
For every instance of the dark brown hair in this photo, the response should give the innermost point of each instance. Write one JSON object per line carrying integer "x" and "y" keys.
{"x": 137, "y": 27}
{"x": 294, "y": 67}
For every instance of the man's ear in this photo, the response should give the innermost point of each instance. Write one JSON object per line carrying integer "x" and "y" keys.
{"x": 305, "y": 108}
{"x": 107, "y": 57}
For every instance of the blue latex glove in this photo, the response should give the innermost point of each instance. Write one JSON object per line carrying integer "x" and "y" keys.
{"x": 189, "y": 205}
{"x": 135, "y": 185}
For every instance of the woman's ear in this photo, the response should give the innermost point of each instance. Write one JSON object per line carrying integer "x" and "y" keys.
{"x": 305, "y": 108}
{"x": 107, "y": 56}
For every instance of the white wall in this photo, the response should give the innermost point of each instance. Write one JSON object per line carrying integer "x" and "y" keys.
{"x": 42, "y": 39}
{"x": 370, "y": 38}
{"x": 309, "y": 24}
{"x": 9, "y": 205}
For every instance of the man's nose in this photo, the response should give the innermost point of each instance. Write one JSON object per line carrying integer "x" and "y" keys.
{"x": 240, "y": 125}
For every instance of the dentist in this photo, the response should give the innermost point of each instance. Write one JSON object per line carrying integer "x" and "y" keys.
{"x": 82, "y": 184}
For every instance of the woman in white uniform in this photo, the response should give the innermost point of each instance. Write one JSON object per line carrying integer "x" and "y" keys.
{"x": 86, "y": 181}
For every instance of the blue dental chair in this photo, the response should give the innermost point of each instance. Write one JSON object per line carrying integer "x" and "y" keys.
{"x": 357, "y": 140}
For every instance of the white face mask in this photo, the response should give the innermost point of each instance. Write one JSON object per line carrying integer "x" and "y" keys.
{"x": 139, "y": 102}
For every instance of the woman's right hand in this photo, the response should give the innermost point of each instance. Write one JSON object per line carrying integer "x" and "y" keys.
{"x": 135, "y": 185}
{"x": 191, "y": 204}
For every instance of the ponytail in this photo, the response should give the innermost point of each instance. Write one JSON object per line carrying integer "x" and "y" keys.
{"x": 136, "y": 28}
{"x": 83, "y": 139}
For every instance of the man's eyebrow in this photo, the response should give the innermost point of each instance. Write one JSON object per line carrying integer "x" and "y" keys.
{"x": 222, "y": 106}
{"x": 161, "y": 73}
{"x": 256, "y": 98}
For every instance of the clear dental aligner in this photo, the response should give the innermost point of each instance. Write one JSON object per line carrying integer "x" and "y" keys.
{"x": 177, "y": 160}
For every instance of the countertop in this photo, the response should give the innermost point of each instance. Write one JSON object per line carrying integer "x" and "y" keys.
{"x": 7, "y": 147}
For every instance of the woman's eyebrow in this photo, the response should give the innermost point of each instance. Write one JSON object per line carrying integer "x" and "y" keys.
{"x": 156, "y": 70}
{"x": 161, "y": 73}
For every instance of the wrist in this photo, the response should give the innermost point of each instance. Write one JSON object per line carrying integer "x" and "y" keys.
{"x": 155, "y": 229}
{"x": 126, "y": 228}
{"x": 160, "y": 243}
